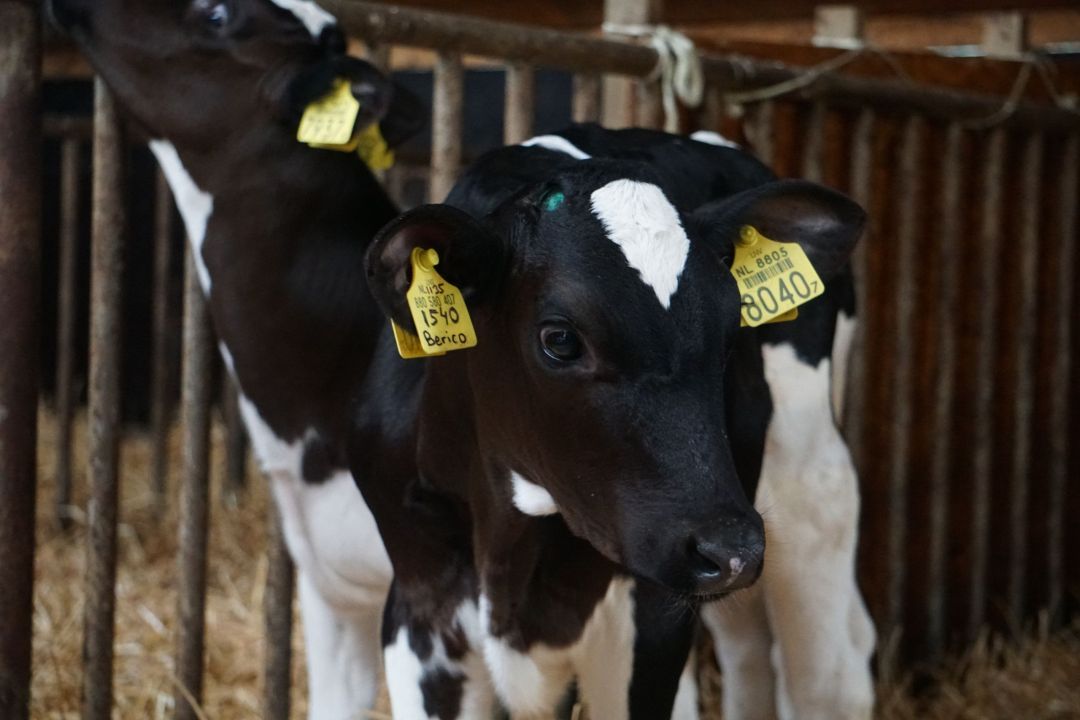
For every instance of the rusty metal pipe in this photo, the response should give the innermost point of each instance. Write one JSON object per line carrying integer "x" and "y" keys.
{"x": 65, "y": 323}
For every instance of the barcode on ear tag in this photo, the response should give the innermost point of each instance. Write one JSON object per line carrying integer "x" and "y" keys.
{"x": 774, "y": 278}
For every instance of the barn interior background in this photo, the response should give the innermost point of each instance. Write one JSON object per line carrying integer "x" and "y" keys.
{"x": 954, "y": 122}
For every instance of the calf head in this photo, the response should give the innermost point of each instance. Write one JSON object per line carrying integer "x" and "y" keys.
{"x": 605, "y": 319}
{"x": 201, "y": 72}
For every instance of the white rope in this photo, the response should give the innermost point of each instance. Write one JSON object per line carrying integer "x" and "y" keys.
{"x": 678, "y": 67}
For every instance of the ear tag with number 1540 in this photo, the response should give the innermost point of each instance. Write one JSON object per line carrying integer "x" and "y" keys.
{"x": 774, "y": 278}
{"x": 438, "y": 310}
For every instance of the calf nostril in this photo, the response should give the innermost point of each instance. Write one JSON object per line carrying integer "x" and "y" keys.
{"x": 721, "y": 567}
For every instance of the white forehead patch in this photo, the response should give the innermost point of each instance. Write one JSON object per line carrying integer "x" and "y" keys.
{"x": 315, "y": 19}
{"x": 530, "y": 498}
{"x": 713, "y": 138}
{"x": 646, "y": 226}
{"x": 558, "y": 144}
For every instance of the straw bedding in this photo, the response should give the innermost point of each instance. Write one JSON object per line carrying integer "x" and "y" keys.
{"x": 1037, "y": 677}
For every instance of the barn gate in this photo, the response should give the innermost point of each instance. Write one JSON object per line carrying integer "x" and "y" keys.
{"x": 964, "y": 394}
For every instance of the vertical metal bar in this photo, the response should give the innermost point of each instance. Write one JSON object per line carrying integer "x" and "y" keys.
{"x": 235, "y": 441}
{"x": 194, "y": 494}
{"x": 447, "y": 124}
{"x": 378, "y": 54}
{"x": 649, "y": 108}
{"x": 907, "y": 238}
{"x": 65, "y": 323}
{"x": 862, "y": 152}
{"x": 760, "y": 129}
{"x": 586, "y": 103}
{"x": 992, "y": 174}
{"x": 520, "y": 97}
{"x": 713, "y": 109}
{"x": 106, "y": 264}
{"x": 1025, "y": 383}
{"x": 277, "y": 608}
{"x": 20, "y": 233}
{"x": 1062, "y": 372}
{"x": 948, "y": 242}
{"x": 814, "y": 149}
{"x": 159, "y": 402}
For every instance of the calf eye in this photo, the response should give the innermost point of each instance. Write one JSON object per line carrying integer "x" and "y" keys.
{"x": 560, "y": 343}
{"x": 214, "y": 14}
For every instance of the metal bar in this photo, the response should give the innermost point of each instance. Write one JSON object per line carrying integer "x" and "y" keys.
{"x": 65, "y": 324}
{"x": 68, "y": 126}
{"x": 520, "y": 98}
{"x": 862, "y": 156}
{"x": 194, "y": 494}
{"x": 814, "y": 152}
{"x": 992, "y": 174}
{"x": 106, "y": 266}
{"x": 235, "y": 442}
{"x": 909, "y": 188}
{"x": 1027, "y": 261}
{"x": 378, "y": 54}
{"x": 579, "y": 52}
{"x": 1063, "y": 376}
{"x": 277, "y": 608}
{"x": 20, "y": 232}
{"x": 649, "y": 108}
{"x": 761, "y": 131}
{"x": 160, "y": 400}
{"x": 948, "y": 241}
{"x": 446, "y": 124}
{"x": 712, "y": 109}
{"x": 586, "y": 103}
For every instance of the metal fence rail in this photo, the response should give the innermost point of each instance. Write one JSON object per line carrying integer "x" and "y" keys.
{"x": 963, "y": 392}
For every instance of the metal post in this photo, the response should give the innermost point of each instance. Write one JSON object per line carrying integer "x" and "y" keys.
{"x": 992, "y": 174}
{"x": 160, "y": 400}
{"x": 106, "y": 264}
{"x": 760, "y": 122}
{"x": 586, "y": 98}
{"x": 909, "y": 191}
{"x": 65, "y": 323}
{"x": 948, "y": 260}
{"x": 814, "y": 151}
{"x": 520, "y": 98}
{"x": 277, "y": 609}
{"x": 1028, "y": 264}
{"x": 1063, "y": 372}
{"x": 194, "y": 494}
{"x": 235, "y": 442}
{"x": 447, "y": 124}
{"x": 20, "y": 233}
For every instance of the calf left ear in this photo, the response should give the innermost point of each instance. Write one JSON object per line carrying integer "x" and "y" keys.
{"x": 471, "y": 257}
{"x": 825, "y": 223}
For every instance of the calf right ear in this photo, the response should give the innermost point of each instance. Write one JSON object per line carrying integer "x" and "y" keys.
{"x": 471, "y": 256}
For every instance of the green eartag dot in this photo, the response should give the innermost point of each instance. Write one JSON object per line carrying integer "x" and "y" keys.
{"x": 553, "y": 200}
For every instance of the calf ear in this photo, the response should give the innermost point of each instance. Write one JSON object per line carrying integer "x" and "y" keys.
{"x": 471, "y": 257}
{"x": 825, "y": 223}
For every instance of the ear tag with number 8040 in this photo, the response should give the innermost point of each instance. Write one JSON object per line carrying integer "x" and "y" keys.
{"x": 774, "y": 278}
{"x": 438, "y": 310}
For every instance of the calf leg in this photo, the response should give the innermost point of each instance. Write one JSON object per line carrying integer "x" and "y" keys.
{"x": 809, "y": 495}
{"x": 342, "y": 656}
{"x": 741, "y": 635}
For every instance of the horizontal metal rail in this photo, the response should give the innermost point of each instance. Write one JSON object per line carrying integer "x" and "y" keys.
{"x": 578, "y": 52}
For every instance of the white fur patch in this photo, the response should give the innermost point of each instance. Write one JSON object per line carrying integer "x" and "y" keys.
{"x": 641, "y": 220}
{"x": 314, "y": 18}
{"x": 530, "y": 498}
{"x": 713, "y": 138}
{"x": 841, "y": 353}
{"x": 558, "y": 144}
{"x": 403, "y": 673}
{"x": 195, "y": 206}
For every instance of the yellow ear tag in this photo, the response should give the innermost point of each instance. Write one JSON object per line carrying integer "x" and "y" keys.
{"x": 372, "y": 148}
{"x": 329, "y": 121}
{"x": 774, "y": 278}
{"x": 438, "y": 310}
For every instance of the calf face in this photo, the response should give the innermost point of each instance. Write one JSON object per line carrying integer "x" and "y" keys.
{"x": 202, "y": 72}
{"x": 605, "y": 318}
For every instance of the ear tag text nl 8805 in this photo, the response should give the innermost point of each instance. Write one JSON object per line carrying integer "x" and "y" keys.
{"x": 329, "y": 121}
{"x": 774, "y": 278}
{"x": 438, "y": 309}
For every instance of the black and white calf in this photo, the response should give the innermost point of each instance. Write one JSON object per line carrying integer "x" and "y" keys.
{"x": 279, "y": 232}
{"x": 559, "y": 500}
